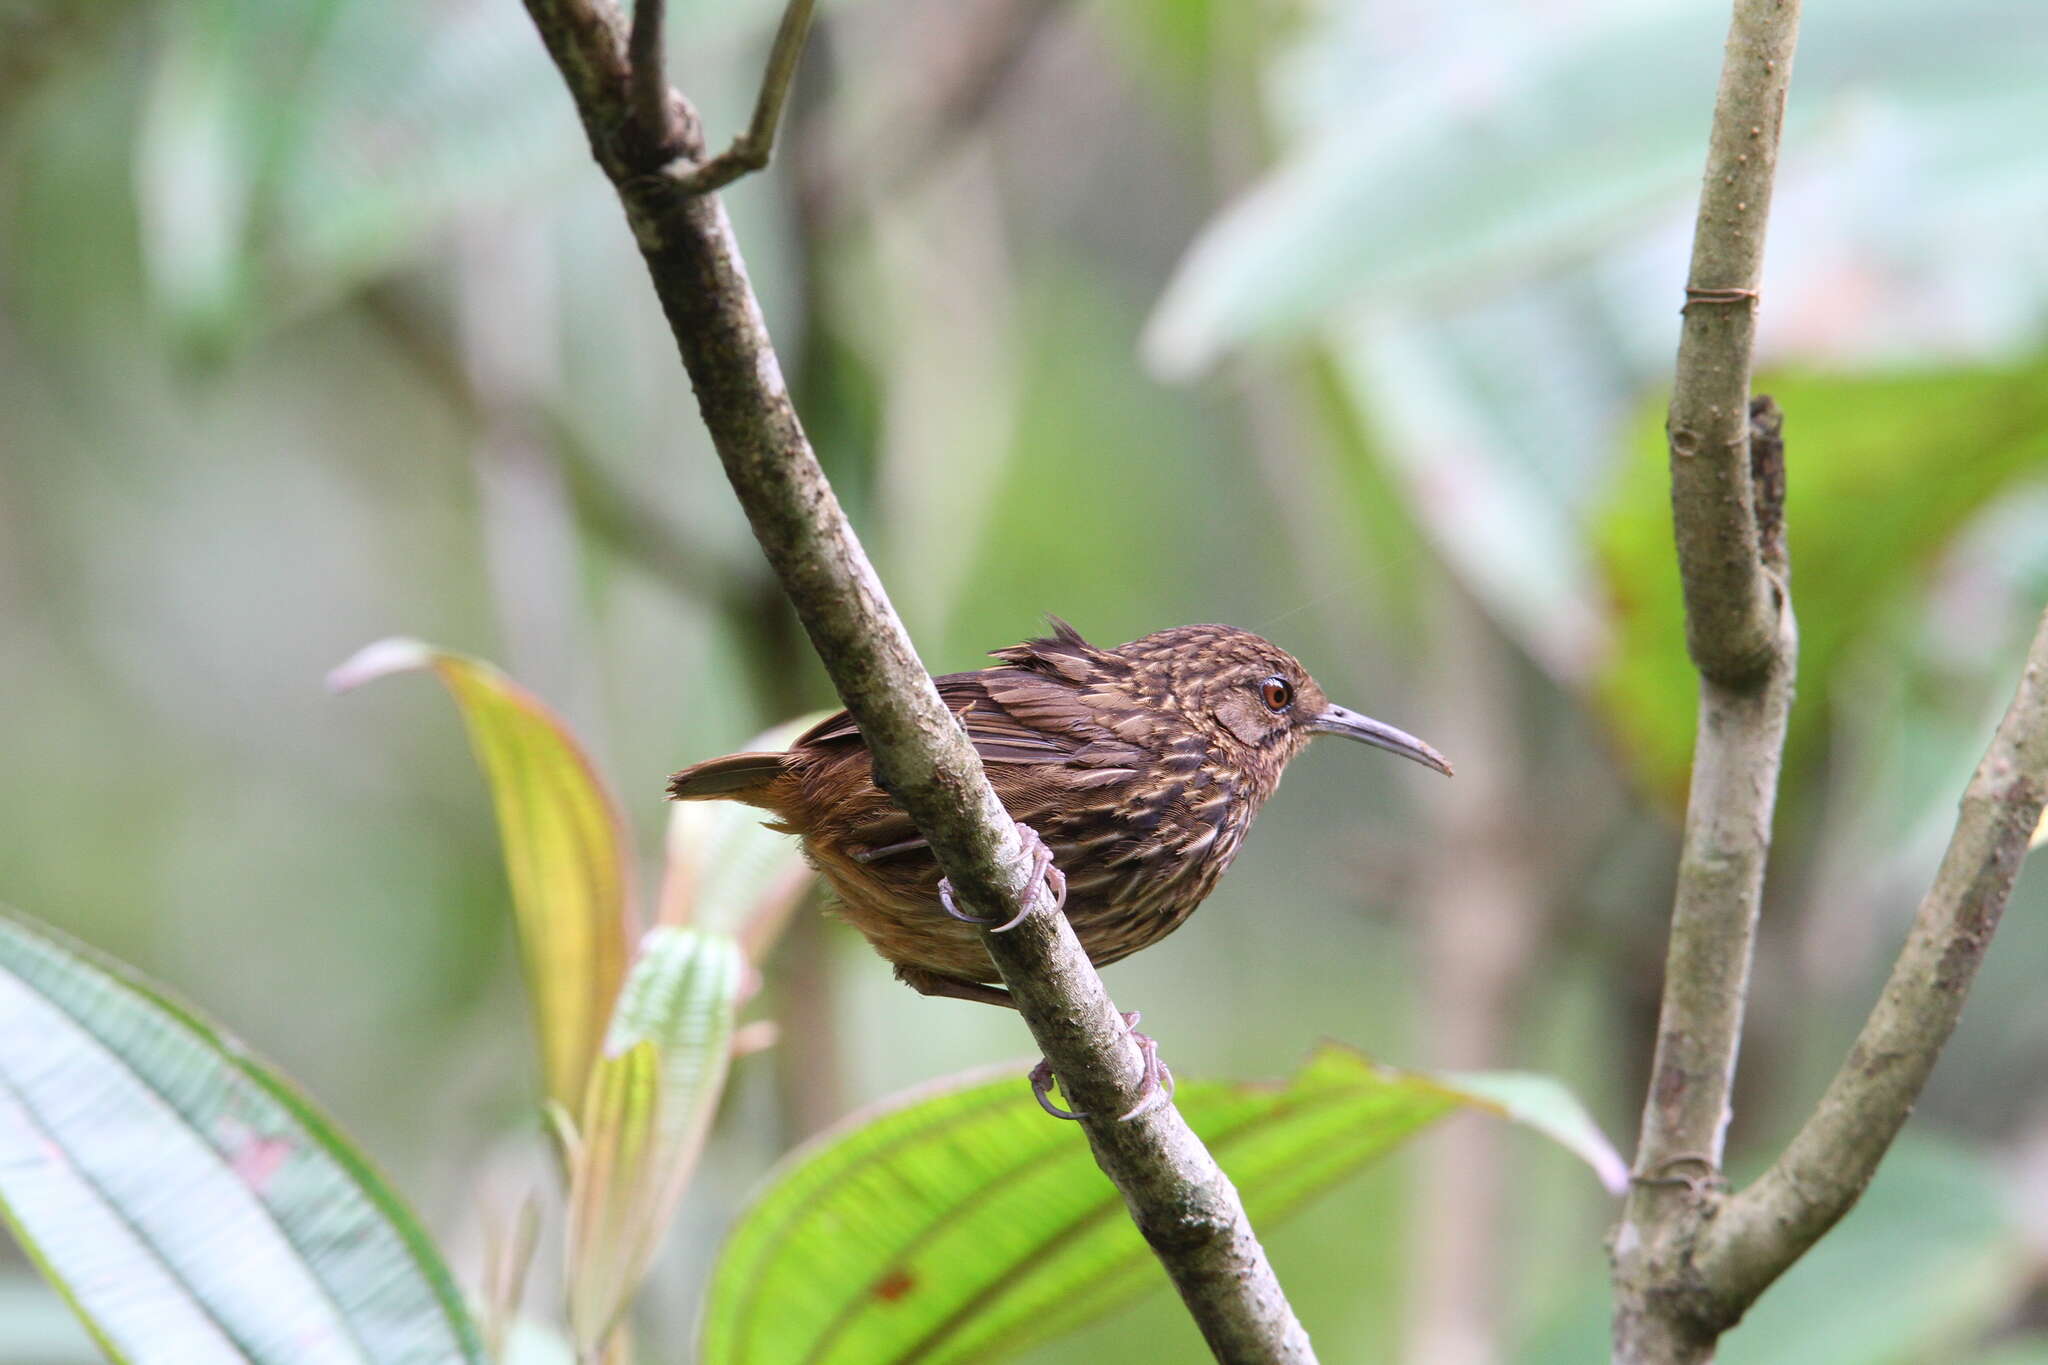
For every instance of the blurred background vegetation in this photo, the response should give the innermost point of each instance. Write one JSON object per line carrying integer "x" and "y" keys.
{"x": 1344, "y": 323}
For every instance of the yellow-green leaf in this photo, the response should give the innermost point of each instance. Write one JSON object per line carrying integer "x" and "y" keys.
{"x": 650, "y": 1103}
{"x": 608, "y": 1245}
{"x": 959, "y": 1223}
{"x": 565, "y": 850}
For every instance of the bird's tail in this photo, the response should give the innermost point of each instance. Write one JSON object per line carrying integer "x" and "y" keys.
{"x": 736, "y": 777}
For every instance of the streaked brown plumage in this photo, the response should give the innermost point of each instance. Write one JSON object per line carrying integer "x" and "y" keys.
{"x": 1141, "y": 767}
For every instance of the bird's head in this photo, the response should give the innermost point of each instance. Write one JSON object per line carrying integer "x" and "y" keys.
{"x": 1248, "y": 696}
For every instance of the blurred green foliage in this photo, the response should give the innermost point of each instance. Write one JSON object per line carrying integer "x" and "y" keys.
{"x": 1883, "y": 470}
{"x": 315, "y": 326}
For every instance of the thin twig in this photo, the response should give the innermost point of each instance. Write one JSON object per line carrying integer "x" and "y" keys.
{"x": 645, "y": 53}
{"x": 1181, "y": 1201}
{"x": 750, "y": 150}
{"x": 1764, "y": 1229}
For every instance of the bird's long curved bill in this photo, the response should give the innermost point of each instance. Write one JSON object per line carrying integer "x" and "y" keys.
{"x": 1340, "y": 721}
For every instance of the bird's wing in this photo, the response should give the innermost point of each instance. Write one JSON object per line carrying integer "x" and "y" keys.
{"x": 1012, "y": 716}
{"x": 1015, "y": 718}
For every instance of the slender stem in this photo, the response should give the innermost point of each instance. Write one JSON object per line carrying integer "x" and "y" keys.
{"x": 750, "y": 150}
{"x": 1731, "y": 614}
{"x": 1737, "y": 755}
{"x": 1660, "y": 1306}
{"x": 1181, "y": 1201}
{"x": 1727, "y": 845}
{"x": 1740, "y": 633}
{"x": 648, "y": 94}
{"x": 1768, "y": 1226}
{"x": 1736, "y": 758}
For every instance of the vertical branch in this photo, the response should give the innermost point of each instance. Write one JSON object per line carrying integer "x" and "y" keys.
{"x": 1688, "y": 1258}
{"x": 1180, "y": 1200}
{"x": 1731, "y": 614}
{"x": 1740, "y": 634}
{"x": 647, "y": 94}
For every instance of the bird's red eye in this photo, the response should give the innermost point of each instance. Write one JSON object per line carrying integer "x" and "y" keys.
{"x": 1276, "y": 693}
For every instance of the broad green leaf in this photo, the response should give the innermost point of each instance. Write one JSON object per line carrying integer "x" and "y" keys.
{"x": 1428, "y": 168}
{"x": 726, "y": 871}
{"x": 958, "y": 1223}
{"x": 1871, "y": 500}
{"x": 189, "y": 1203}
{"x": 565, "y": 850}
{"x": 650, "y": 1103}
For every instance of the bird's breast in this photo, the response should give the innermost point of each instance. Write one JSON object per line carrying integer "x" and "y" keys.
{"x": 1137, "y": 866}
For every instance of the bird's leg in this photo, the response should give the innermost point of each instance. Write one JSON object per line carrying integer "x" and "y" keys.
{"x": 1154, "y": 1088}
{"x": 1043, "y": 869}
{"x": 926, "y": 982}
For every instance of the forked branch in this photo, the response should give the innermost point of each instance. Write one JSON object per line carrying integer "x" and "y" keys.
{"x": 1741, "y": 635}
{"x": 1689, "y": 1259}
{"x": 654, "y": 105}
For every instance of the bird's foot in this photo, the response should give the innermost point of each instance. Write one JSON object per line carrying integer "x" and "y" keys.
{"x": 1041, "y": 1090}
{"x": 1043, "y": 870}
{"x": 1154, "y": 1088}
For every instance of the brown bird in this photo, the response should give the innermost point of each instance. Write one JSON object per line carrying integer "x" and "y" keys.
{"x": 1137, "y": 769}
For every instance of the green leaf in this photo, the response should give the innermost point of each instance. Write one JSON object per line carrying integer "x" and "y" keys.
{"x": 1882, "y": 471}
{"x": 1543, "y": 1103}
{"x": 1478, "y": 155}
{"x": 188, "y": 1202}
{"x": 565, "y": 850}
{"x": 958, "y": 1223}
{"x": 649, "y": 1106}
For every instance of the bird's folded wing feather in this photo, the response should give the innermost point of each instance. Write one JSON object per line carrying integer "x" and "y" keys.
{"x": 1013, "y": 717}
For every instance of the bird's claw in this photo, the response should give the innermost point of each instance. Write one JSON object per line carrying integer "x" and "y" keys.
{"x": 1155, "y": 1087}
{"x": 1043, "y": 869}
{"x": 1041, "y": 1090}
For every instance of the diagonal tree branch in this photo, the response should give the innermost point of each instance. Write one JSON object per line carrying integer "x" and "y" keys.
{"x": 1181, "y": 1201}
{"x": 1764, "y": 1229}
